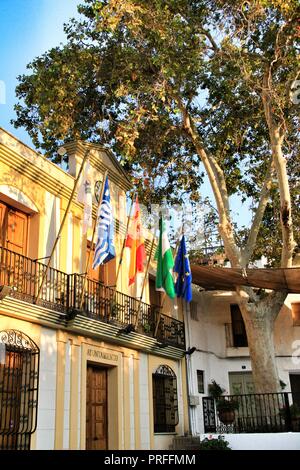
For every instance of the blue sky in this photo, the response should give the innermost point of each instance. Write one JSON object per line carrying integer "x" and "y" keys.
{"x": 27, "y": 29}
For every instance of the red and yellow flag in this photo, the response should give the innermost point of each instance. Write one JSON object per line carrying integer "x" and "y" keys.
{"x": 135, "y": 241}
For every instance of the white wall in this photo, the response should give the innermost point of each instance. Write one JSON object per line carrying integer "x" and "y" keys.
{"x": 213, "y": 357}
{"x": 144, "y": 402}
{"x": 79, "y": 396}
{"x": 163, "y": 442}
{"x": 275, "y": 441}
{"x": 47, "y": 391}
{"x": 131, "y": 402}
{"x": 67, "y": 397}
{"x": 180, "y": 384}
{"x": 70, "y": 244}
{"x": 52, "y": 224}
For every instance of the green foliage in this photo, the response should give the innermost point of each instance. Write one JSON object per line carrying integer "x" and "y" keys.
{"x": 282, "y": 384}
{"x": 214, "y": 444}
{"x": 224, "y": 404}
{"x": 132, "y": 70}
{"x": 215, "y": 390}
{"x": 294, "y": 411}
{"x": 147, "y": 327}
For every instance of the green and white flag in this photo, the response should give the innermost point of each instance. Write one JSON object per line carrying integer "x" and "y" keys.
{"x": 165, "y": 263}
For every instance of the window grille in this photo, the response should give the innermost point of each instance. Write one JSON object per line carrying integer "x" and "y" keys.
{"x": 19, "y": 377}
{"x": 200, "y": 381}
{"x": 165, "y": 400}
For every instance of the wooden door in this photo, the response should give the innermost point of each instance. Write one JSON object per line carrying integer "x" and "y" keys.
{"x": 96, "y": 408}
{"x": 154, "y": 295}
{"x": 3, "y": 222}
{"x": 295, "y": 388}
{"x": 14, "y": 226}
{"x": 94, "y": 274}
{"x": 249, "y": 412}
{"x": 17, "y": 231}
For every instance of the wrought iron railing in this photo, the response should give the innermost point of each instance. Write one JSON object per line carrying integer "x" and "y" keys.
{"x": 64, "y": 293}
{"x": 252, "y": 413}
{"x": 107, "y": 304}
{"x": 24, "y": 275}
{"x": 170, "y": 330}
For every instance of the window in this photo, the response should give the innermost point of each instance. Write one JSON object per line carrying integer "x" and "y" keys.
{"x": 239, "y": 335}
{"x": 200, "y": 381}
{"x": 296, "y": 313}
{"x": 193, "y": 310}
{"x": 19, "y": 376}
{"x": 165, "y": 402}
{"x": 97, "y": 274}
{"x": 154, "y": 295}
{"x": 13, "y": 234}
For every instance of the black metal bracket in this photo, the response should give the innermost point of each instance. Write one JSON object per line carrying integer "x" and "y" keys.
{"x": 72, "y": 313}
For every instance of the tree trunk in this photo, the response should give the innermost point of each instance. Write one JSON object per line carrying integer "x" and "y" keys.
{"x": 259, "y": 316}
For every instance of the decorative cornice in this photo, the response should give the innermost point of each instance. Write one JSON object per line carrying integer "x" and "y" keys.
{"x": 38, "y": 169}
{"x": 86, "y": 326}
{"x": 53, "y": 179}
{"x": 117, "y": 176}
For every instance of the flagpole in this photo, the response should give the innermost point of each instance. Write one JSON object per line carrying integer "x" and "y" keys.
{"x": 159, "y": 314}
{"x": 61, "y": 226}
{"x": 124, "y": 241}
{"x": 144, "y": 281}
{"x": 92, "y": 242}
{"x": 121, "y": 255}
{"x": 164, "y": 298}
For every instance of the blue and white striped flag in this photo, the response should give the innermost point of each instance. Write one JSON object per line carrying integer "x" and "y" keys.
{"x": 105, "y": 250}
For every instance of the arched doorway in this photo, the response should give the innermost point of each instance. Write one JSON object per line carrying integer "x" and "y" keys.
{"x": 165, "y": 400}
{"x": 19, "y": 380}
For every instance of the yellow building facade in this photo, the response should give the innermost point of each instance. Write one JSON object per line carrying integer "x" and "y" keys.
{"x": 74, "y": 374}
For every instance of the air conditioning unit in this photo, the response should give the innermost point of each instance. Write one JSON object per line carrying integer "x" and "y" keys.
{"x": 194, "y": 400}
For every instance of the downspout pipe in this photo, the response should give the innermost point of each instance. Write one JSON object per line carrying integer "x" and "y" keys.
{"x": 188, "y": 364}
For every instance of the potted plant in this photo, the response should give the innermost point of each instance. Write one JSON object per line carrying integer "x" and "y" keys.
{"x": 215, "y": 390}
{"x": 214, "y": 444}
{"x": 295, "y": 415}
{"x": 226, "y": 409}
{"x": 225, "y": 406}
{"x": 147, "y": 328}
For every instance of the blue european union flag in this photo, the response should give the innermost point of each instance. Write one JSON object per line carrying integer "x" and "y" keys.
{"x": 183, "y": 286}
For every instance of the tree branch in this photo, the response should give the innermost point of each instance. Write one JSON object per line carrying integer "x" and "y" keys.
{"x": 211, "y": 39}
{"x": 221, "y": 179}
{"x": 276, "y": 139}
{"x": 264, "y": 196}
{"x": 217, "y": 182}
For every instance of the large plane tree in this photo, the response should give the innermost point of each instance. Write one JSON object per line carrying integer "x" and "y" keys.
{"x": 179, "y": 89}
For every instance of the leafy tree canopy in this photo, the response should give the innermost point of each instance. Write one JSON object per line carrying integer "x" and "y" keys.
{"x": 135, "y": 74}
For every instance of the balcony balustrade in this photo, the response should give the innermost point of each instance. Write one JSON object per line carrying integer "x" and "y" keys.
{"x": 252, "y": 413}
{"x": 64, "y": 293}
